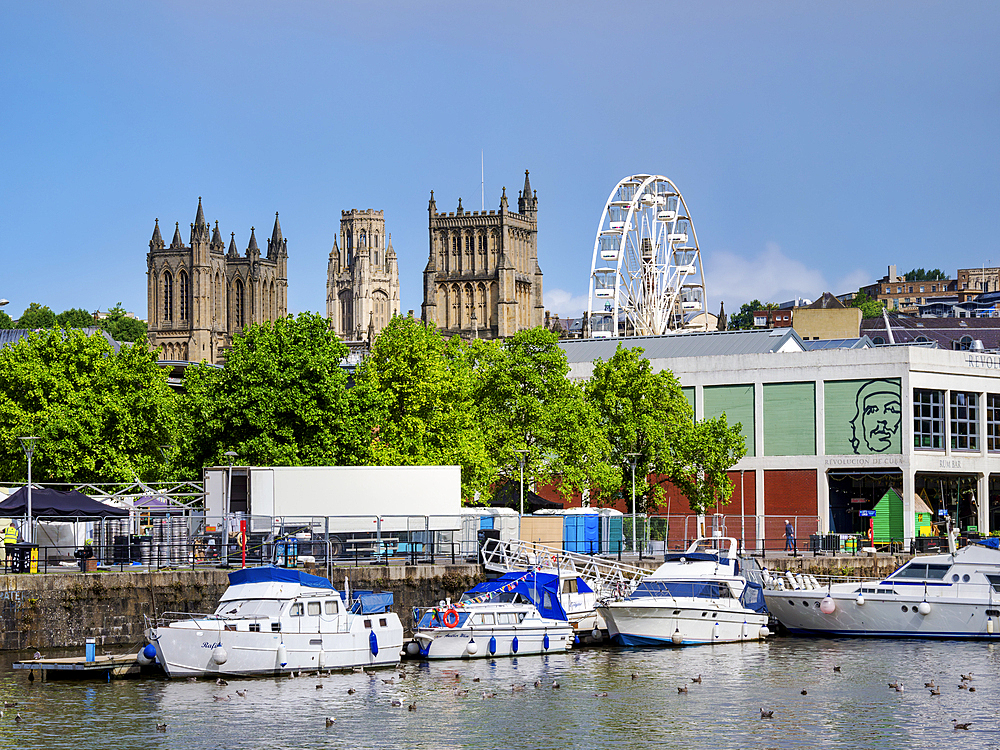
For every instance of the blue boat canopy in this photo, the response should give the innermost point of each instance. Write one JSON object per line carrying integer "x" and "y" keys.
{"x": 541, "y": 589}
{"x": 993, "y": 542}
{"x": 272, "y": 574}
{"x": 369, "y": 603}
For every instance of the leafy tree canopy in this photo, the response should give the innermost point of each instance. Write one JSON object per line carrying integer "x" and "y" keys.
{"x": 101, "y": 416}
{"x": 645, "y": 415}
{"x": 870, "y": 308}
{"x": 75, "y": 318}
{"x": 743, "y": 320}
{"x": 121, "y": 327}
{"x": 277, "y": 402}
{"x": 37, "y": 317}
{"x": 919, "y": 274}
{"x": 413, "y": 404}
{"x": 6, "y": 322}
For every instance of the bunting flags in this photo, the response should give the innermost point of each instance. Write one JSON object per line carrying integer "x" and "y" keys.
{"x": 486, "y": 596}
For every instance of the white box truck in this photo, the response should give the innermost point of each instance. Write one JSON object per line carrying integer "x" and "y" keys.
{"x": 351, "y": 503}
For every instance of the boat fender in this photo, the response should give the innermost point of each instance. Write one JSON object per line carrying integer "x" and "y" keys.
{"x": 743, "y": 631}
{"x": 472, "y": 648}
{"x": 493, "y": 644}
{"x": 144, "y": 658}
{"x": 545, "y": 638}
{"x": 989, "y": 625}
{"x": 576, "y": 639}
{"x": 677, "y": 639}
{"x": 924, "y": 608}
{"x": 596, "y": 635}
{"x": 715, "y": 630}
{"x": 321, "y": 659}
{"x": 451, "y": 618}
{"x": 828, "y": 606}
{"x": 413, "y": 648}
{"x": 219, "y": 655}
{"x": 860, "y": 601}
{"x": 764, "y": 632}
{"x": 513, "y": 645}
{"x": 282, "y": 655}
{"x": 373, "y": 643}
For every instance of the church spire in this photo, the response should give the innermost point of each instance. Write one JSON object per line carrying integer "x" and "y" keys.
{"x": 527, "y": 185}
{"x": 276, "y": 244}
{"x": 503, "y": 200}
{"x": 177, "y": 243}
{"x": 217, "y": 243}
{"x": 432, "y": 207}
{"x": 233, "y": 251}
{"x": 199, "y": 219}
{"x": 390, "y": 253}
{"x": 156, "y": 243}
{"x": 527, "y": 203}
{"x": 252, "y": 249}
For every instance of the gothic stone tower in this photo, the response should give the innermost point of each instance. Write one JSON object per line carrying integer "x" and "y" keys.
{"x": 482, "y": 277}
{"x": 200, "y": 295}
{"x": 362, "y": 278}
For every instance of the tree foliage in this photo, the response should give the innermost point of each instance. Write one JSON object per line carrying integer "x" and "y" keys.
{"x": 277, "y": 402}
{"x": 412, "y": 404}
{"x": 6, "y": 322}
{"x": 919, "y": 274}
{"x": 122, "y": 327}
{"x": 870, "y": 308}
{"x": 37, "y": 317}
{"x": 75, "y": 318}
{"x": 101, "y": 415}
{"x": 743, "y": 320}
{"x": 646, "y": 416}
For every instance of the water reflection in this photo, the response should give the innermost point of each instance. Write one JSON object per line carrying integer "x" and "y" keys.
{"x": 853, "y": 708}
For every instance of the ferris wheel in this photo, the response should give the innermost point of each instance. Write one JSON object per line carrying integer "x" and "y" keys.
{"x": 646, "y": 278}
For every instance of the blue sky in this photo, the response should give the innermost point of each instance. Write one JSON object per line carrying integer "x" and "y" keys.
{"x": 815, "y": 143}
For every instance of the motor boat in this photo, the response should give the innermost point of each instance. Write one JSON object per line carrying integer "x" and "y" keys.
{"x": 697, "y": 596}
{"x": 948, "y": 595}
{"x": 517, "y": 614}
{"x": 272, "y": 621}
{"x": 576, "y": 596}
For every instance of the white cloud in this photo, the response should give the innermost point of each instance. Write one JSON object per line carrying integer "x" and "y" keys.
{"x": 563, "y": 303}
{"x": 770, "y": 276}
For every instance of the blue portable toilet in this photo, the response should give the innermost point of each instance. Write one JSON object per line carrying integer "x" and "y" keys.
{"x": 581, "y": 530}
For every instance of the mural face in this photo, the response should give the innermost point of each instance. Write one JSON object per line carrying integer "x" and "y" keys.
{"x": 863, "y": 416}
{"x": 877, "y": 418}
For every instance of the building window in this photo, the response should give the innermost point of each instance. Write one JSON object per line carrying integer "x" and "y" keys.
{"x": 933, "y": 287}
{"x": 964, "y": 344}
{"x": 878, "y": 341}
{"x": 899, "y": 290}
{"x": 928, "y": 419}
{"x": 168, "y": 297}
{"x": 964, "y": 421}
{"x": 183, "y": 304}
{"x": 993, "y": 421}
{"x": 921, "y": 290}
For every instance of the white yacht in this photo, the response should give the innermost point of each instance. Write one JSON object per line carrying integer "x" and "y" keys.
{"x": 950, "y": 595}
{"x": 497, "y": 618}
{"x": 697, "y": 596}
{"x": 272, "y": 621}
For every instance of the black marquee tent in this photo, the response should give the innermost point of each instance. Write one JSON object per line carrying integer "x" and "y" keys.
{"x": 48, "y": 503}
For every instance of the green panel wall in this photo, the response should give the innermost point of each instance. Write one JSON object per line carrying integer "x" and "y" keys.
{"x": 689, "y": 395}
{"x": 888, "y": 524}
{"x": 863, "y": 417}
{"x": 736, "y": 401}
{"x": 789, "y": 419}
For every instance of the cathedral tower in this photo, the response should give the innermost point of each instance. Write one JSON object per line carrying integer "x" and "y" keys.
{"x": 362, "y": 277}
{"x": 199, "y": 295}
{"x": 482, "y": 279}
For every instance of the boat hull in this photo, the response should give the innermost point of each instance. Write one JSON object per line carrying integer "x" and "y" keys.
{"x": 193, "y": 651}
{"x": 673, "y": 622}
{"x": 883, "y": 616}
{"x": 445, "y": 643}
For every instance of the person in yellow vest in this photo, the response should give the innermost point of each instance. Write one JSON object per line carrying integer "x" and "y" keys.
{"x": 9, "y": 540}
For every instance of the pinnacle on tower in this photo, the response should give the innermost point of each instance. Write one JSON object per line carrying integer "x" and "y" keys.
{"x": 527, "y": 185}
{"x": 276, "y": 244}
{"x": 217, "y": 238}
{"x": 252, "y": 248}
{"x": 156, "y": 243}
{"x": 459, "y": 209}
{"x": 199, "y": 219}
{"x": 390, "y": 253}
{"x": 432, "y": 204}
{"x": 527, "y": 202}
{"x": 233, "y": 252}
{"x": 503, "y": 200}
{"x": 177, "y": 243}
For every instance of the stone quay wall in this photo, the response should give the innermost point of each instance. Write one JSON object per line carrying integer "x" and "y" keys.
{"x": 63, "y": 610}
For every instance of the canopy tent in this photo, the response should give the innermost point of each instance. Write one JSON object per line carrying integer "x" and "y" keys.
{"x": 49, "y": 503}
{"x": 541, "y": 589}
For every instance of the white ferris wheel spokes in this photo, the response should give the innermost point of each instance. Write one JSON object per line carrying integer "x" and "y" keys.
{"x": 646, "y": 277}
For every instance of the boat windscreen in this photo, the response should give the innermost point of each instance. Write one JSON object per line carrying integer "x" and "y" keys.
{"x": 694, "y": 589}
{"x": 922, "y": 571}
{"x": 249, "y": 608}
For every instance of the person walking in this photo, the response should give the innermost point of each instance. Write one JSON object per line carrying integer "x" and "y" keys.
{"x": 790, "y": 537}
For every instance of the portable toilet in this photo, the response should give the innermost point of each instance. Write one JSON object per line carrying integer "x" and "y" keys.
{"x": 923, "y": 517}
{"x": 888, "y": 526}
{"x": 580, "y": 529}
{"x": 611, "y": 531}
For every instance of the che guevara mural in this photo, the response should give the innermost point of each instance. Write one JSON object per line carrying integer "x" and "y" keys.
{"x": 863, "y": 416}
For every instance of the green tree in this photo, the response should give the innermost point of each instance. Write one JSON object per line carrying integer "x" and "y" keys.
{"x": 743, "y": 320}
{"x": 75, "y": 318}
{"x": 278, "y": 401}
{"x": 870, "y": 308}
{"x": 413, "y": 404}
{"x": 646, "y": 414}
{"x": 919, "y": 274}
{"x": 6, "y": 322}
{"x": 37, "y": 317}
{"x": 122, "y": 327}
{"x": 525, "y": 401}
{"x": 101, "y": 415}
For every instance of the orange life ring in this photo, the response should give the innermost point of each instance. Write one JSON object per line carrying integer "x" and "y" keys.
{"x": 451, "y": 618}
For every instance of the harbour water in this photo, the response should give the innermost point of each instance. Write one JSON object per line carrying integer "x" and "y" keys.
{"x": 814, "y": 706}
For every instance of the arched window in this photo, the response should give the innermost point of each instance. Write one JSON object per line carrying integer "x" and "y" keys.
{"x": 217, "y": 294}
{"x": 168, "y": 297}
{"x": 239, "y": 304}
{"x": 921, "y": 339}
{"x": 878, "y": 341}
{"x": 376, "y": 240}
{"x": 350, "y": 250}
{"x": 183, "y": 299}
{"x": 965, "y": 343}
{"x": 346, "y": 318}
{"x": 363, "y": 240}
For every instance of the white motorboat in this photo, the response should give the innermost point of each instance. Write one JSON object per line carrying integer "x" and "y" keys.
{"x": 272, "y": 621}
{"x": 697, "y": 596}
{"x": 949, "y": 595}
{"x": 497, "y": 618}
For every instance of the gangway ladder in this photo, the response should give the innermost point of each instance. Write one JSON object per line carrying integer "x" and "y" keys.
{"x": 608, "y": 577}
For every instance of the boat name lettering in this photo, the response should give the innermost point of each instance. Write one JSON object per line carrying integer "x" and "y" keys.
{"x": 206, "y": 644}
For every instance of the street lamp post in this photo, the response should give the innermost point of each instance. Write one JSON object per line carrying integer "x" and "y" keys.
{"x": 632, "y": 457}
{"x": 28, "y": 443}
{"x": 225, "y": 520}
